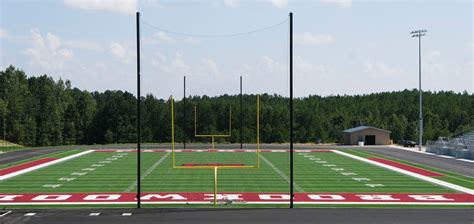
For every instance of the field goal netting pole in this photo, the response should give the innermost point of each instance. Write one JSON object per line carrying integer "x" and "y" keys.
{"x": 138, "y": 197}
{"x": 241, "y": 114}
{"x": 138, "y": 114}
{"x": 291, "y": 110}
{"x": 215, "y": 167}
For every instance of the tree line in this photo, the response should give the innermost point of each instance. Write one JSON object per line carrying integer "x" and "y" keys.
{"x": 39, "y": 111}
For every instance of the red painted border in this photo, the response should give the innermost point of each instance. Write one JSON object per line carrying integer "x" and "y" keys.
{"x": 25, "y": 166}
{"x": 213, "y": 164}
{"x": 407, "y": 167}
{"x": 205, "y": 197}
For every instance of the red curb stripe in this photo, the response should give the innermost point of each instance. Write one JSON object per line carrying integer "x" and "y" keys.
{"x": 407, "y": 167}
{"x": 25, "y": 166}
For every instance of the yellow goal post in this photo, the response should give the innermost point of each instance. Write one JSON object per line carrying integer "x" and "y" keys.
{"x": 215, "y": 168}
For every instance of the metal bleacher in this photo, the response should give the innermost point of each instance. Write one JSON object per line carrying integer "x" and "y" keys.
{"x": 460, "y": 147}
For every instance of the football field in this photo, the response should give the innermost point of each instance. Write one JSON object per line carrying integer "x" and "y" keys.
{"x": 322, "y": 177}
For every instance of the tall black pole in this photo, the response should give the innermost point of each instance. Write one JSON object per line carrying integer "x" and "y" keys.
{"x": 241, "y": 114}
{"x": 420, "y": 124}
{"x": 138, "y": 114}
{"x": 291, "y": 110}
{"x": 184, "y": 112}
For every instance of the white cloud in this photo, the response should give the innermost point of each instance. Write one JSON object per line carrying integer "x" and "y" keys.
{"x": 119, "y": 51}
{"x": 376, "y": 69}
{"x": 279, "y": 3}
{"x": 3, "y": 33}
{"x": 209, "y": 65}
{"x": 47, "y": 52}
{"x": 340, "y": 3}
{"x": 232, "y": 3}
{"x": 192, "y": 40}
{"x": 163, "y": 37}
{"x": 83, "y": 44}
{"x": 308, "y": 69}
{"x": 313, "y": 39}
{"x": 170, "y": 66}
{"x": 121, "y": 6}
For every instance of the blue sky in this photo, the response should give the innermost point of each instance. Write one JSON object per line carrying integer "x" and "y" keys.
{"x": 340, "y": 47}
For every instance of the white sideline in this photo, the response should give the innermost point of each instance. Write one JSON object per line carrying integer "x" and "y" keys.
{"x": 406, "y": 172}
{"x": 39, "y": 166}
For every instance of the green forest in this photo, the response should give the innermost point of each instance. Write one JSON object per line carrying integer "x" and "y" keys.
{"x": 39, "y": 111}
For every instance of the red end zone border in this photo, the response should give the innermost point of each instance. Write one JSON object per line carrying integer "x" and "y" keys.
{"x": 244, "y": 198}
{"x": 407, "y": 167}
{"x": 23, "y": 166}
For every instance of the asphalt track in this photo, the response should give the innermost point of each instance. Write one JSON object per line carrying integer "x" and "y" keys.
{"x": 198, "y": 216}
{"x": 448, "y": 164}
{"x": 14, "y": 156}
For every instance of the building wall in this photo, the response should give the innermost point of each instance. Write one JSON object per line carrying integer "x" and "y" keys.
{"x": 381, "y": 137}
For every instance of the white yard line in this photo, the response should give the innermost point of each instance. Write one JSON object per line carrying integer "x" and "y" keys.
{"x": 134, "y": 184}
{"x": 406, "y": 172}
{"x": 39, "y": 166}
{"x": 283, "y": 175}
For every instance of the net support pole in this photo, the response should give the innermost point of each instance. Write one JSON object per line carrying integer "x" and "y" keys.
{"x": 138, "y": 113}
{"x": 291, "y": 109}
{"x": 184, "y": 112}
{"x": 258, "y": 131}
{"x": 172, "y": 130}
{"x": 241, "y": 114}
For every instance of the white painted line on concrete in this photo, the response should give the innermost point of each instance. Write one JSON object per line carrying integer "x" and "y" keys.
{"x": 5, "y": 213}
{"x": 126, "y": 214}
{"x": 30, "y": 214}
{"x": 283, "y": 175}
{"x": 406, "y": 172}
{"x": 19, "y": 172}
{"x": 467, "y": 160}
{"x": 95, "y": 214}
{"x": 134, "y": 184}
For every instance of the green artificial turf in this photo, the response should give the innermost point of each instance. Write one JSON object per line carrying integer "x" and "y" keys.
{"x": 158, "y": 174}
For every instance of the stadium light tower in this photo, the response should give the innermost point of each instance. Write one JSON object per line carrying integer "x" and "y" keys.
{"x": 419, "y": 34}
